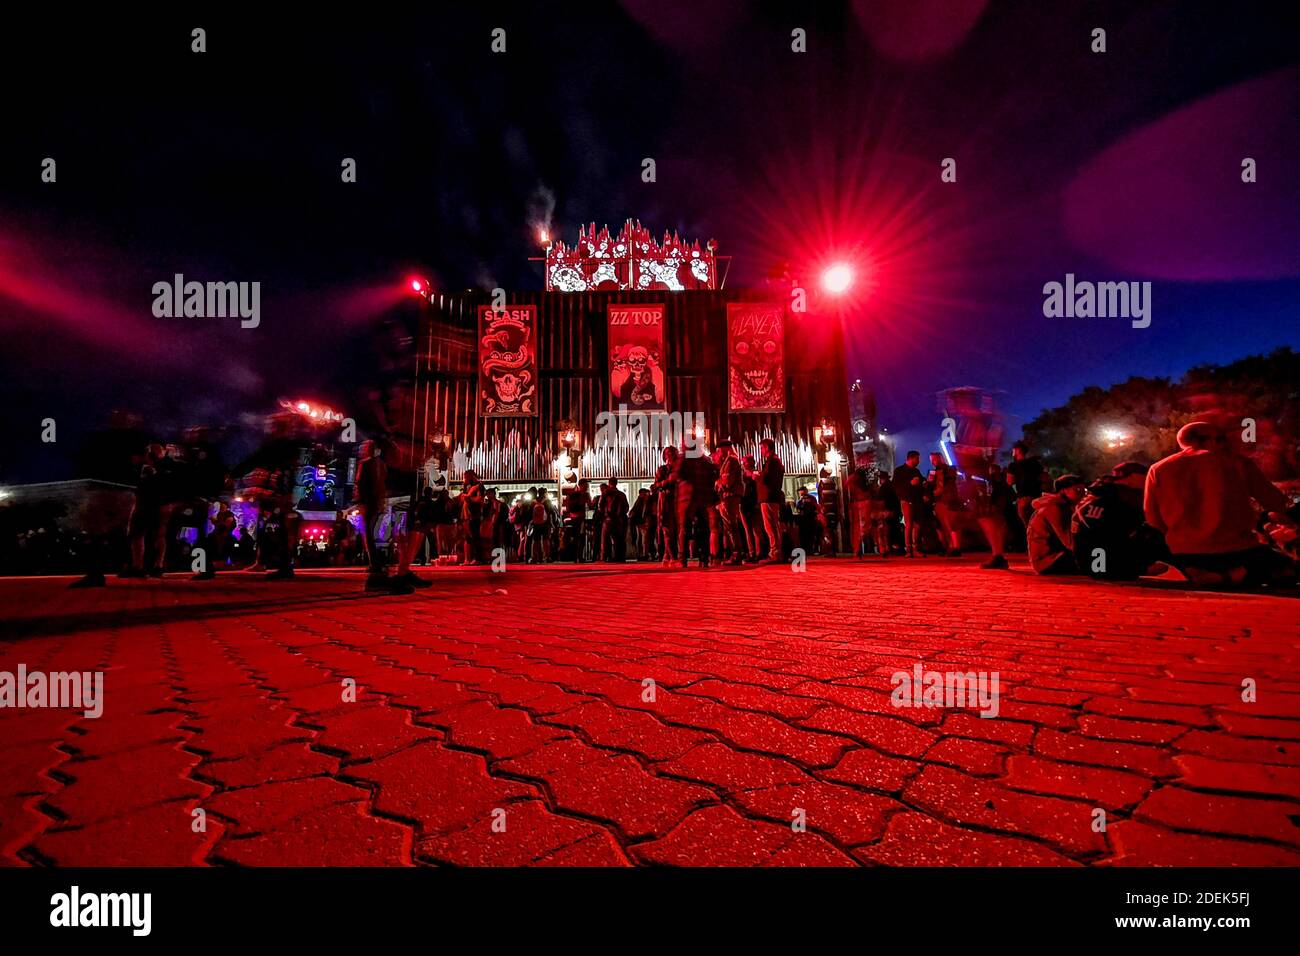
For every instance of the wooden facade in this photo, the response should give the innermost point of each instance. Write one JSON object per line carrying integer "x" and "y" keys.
{"x": 573, "y": 382}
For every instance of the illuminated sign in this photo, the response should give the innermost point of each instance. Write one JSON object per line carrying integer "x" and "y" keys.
{"x": 630, "y": 260}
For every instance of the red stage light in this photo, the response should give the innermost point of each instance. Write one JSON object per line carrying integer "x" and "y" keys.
{"x": 417, "y": 285}
{"x": 837, "y": 279}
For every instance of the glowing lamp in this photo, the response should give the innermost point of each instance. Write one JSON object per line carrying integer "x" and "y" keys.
{"x": 824, "y": 434}
{"x": 837, "y": 278}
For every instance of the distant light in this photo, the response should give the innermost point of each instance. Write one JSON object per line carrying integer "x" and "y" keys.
{"x": 837, "y": 278}
{"x": 543, "y": 237}
{"x": 1114, "y": 437}
{"x": 417, "y": 285}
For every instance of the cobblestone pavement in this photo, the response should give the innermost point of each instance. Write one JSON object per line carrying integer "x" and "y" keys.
{"x": 507, "y": 719}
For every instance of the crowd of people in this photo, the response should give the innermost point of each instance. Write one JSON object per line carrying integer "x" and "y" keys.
{"x": 1206, "y": 511}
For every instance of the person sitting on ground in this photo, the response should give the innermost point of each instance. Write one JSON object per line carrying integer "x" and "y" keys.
{"x": 809, "y": 518}
{"x": 1051, "y": 543}
{"x": 1206, "y": 499}
{"x": 1111, "y": 540}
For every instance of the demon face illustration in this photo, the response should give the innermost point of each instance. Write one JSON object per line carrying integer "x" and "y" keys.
{"x": 507, "y": 358}
{"x": 757, "y": 361}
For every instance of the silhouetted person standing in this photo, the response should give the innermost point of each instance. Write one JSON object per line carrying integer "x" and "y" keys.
{"x": 665, "y": 490}
{"x": 770, "y": 485}
{"x": 1025, "y": 475}
{"x": 695, "y": 495}
{"x": 614, "y": 504}
{"x": 909, "y": 485}
{"x": 372, "y": 494}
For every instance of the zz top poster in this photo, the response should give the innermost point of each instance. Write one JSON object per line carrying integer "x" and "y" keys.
{"x": 755, "y": 357}
{"x": 507, "y": 361}
{"x": 636, "y": 358}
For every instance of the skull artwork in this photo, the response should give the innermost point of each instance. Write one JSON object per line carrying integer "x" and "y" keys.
{"x": 757, "y": 361}
{"x": 637, "y": 380}
{"x": 509, "y": 386}
{"x": 507, "y": 356}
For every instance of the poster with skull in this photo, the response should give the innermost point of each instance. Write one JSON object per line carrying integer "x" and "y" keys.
{"x": 636, "y": 358}
{"x": 507, "y": 361}
{"x": 755, "y": 357}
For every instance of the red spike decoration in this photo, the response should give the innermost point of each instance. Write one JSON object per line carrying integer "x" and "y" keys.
{"x": 632, "y": 259}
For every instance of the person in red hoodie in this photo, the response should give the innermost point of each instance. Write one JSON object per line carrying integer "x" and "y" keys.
{"x": 1207, "y": 500}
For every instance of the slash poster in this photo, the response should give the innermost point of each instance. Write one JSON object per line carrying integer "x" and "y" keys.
{"x": 636, "y": 357}
{"x": 507, "y": 361}
{"x": 756, "y": 357}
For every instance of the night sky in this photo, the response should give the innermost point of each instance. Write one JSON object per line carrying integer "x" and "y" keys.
{"x": 226, "y": 166}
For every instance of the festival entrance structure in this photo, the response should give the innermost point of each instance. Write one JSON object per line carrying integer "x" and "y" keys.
{"x": 631, "y": 341}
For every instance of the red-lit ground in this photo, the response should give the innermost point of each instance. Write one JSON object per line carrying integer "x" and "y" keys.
{"x": 524, "y": 693}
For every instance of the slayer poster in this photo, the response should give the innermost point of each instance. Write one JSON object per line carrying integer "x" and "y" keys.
{"x": 507, "y": 361}
{"x": 755, "y": 357}
{"x": 636, "y": 358}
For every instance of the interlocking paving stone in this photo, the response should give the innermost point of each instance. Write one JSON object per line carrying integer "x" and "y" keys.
{"x": 534, "y": 710}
